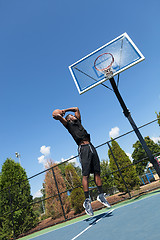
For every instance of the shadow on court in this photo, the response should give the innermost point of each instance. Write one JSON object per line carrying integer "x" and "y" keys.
{"x": 95, "y": 219}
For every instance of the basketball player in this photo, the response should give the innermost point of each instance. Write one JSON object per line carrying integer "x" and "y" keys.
{"x": 87, "y": 154}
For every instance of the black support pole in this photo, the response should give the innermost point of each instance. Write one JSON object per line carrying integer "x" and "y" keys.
{"x": 130, "y": 119}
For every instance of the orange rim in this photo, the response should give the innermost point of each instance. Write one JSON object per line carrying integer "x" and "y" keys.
{"x": 101, "y": 70}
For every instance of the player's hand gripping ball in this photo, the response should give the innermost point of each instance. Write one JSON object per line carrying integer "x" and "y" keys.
{"x": 57, "y": 113}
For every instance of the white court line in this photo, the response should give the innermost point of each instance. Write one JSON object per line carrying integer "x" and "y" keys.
{"x": 92, "y": 225}
{"x": 82, "y": 232}
{"x": 127, "y": 204}
{"x": 111, "y": 212}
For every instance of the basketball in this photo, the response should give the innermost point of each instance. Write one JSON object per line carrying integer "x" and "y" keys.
{"x": 56, "y": 112}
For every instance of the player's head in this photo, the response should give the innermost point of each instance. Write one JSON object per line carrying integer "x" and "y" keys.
{"x": 70, "y": 117}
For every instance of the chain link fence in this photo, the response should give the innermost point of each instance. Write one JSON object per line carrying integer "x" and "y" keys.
{"x": 60, "y": 198}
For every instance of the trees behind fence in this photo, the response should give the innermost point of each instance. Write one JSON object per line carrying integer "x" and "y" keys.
{"x": 62, "y": 189}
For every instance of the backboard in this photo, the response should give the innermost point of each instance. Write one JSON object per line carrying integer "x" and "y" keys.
{"x": 116, "y": 56}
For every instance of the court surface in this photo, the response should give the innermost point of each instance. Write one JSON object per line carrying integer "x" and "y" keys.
{"x": 136, "y": 219}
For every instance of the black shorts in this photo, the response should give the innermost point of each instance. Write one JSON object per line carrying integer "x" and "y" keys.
{"x": 89, "y": 159}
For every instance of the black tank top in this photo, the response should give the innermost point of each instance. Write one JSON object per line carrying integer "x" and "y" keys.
{"x": 77, "y": 131}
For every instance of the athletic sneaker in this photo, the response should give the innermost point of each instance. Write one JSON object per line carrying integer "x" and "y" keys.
{"x": 88, "y": 207}
{"x": 101, "y": 198}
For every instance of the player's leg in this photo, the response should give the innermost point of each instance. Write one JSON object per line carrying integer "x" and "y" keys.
{"x": 96, "y": 168}
{"x": 85, "y": 186}
{"x": 84, "y": 155}
{"x": 101, "y": 195}
{"x": 87, "y": 202}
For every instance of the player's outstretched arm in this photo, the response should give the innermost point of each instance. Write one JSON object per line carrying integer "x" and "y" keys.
{"x": 75, "y": 110}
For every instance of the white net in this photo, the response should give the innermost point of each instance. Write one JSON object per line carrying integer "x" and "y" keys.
{"x": 104, "y": 61}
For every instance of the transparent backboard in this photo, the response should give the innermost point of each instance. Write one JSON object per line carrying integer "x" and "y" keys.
{"x": 125, "y": 55}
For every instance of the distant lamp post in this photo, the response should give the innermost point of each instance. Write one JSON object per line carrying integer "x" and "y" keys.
{"x": 18, "y": 156}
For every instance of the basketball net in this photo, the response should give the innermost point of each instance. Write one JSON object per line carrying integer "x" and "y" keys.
{"x": 103, "y": 63}
{"x": 108, "y": 73}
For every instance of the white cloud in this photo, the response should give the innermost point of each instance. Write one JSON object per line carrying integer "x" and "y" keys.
{"x": 155, "y": 139}
{"x": 43, "y": 158}
{"x": 74, "y": 160}
{"x": 37, "y": 194}
{"x": 114, "y": 132}
{"x": 45, "y": 150}
{"x": 130, "y": 156}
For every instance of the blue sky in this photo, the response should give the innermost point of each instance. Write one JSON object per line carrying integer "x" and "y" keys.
{"x": 39, "y": 40}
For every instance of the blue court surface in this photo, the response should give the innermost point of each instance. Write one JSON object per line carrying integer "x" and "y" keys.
{"x": 139, "y": 219}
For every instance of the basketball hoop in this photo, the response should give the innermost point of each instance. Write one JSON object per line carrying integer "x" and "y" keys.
{"x": 103, "y": 63}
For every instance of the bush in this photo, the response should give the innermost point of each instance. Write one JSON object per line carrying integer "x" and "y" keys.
{"x": 77, "y": 194}
{"x": 77, "y": 199}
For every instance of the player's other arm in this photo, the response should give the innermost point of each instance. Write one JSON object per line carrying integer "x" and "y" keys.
{"x": 58, "y": 115}
{"x": 75, "y": 110}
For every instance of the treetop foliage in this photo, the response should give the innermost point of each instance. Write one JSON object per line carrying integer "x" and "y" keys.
{"x": 129, "y": 173}
{"x": 16, "y": 197}
{"x": 140, "y": 154}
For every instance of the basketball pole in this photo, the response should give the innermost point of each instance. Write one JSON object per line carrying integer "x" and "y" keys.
{"x": 130, "y": 119}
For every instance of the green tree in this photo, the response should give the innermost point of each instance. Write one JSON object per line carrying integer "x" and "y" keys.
{"x": 15, "y": 196}
{"x": 77, "y": 194}
{"x": 129, "y": 173}
{"x": 38, "y": 206}
{"x": 63, "y": 166}
{"x": 107, "y": 178}
{"x": 1, "y": 217}
{"x": 139, "y": 154}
